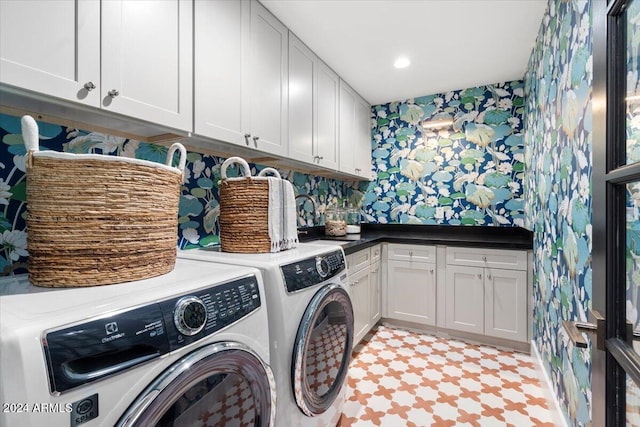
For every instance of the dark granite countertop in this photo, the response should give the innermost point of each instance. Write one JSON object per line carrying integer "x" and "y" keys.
{"x": 481, "y": 236}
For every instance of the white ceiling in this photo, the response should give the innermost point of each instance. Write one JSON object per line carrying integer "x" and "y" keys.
{"x": 452, "y": 44}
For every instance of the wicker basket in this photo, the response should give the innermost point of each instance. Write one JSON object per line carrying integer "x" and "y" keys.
{"x": 96, "y": 220}
{"x": 244, "y": 210}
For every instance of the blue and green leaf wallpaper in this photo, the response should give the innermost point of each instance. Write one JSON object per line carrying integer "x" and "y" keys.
{"x": 558, "y": 141}
{"x": 468, "y": 173}
{"x": 199, "y": 203}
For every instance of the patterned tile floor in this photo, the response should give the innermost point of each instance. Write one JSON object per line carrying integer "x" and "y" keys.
{"x": 401, "y": 378}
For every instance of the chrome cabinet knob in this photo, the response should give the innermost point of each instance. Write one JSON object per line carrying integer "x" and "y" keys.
{"x": 113, "y": 93}
{"x": 89, "y": 86}
{"x": 479, "y": 276}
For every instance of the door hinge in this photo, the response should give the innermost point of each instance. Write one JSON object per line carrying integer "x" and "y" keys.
{"x": 596, "y": 326}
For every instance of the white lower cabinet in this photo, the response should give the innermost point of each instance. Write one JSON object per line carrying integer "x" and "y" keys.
{"x": 411, "y": 291}
{"x": 487, "y": 300}
{"x": 465, "y": 299}
{"x": 360, "y": 288}
{"x": 505, "y": 311}
{"x": 364, "y": 287}
{"x": 467, "y": 290}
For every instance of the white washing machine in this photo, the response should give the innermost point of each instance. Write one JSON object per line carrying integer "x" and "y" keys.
{"x": 187, "y": 348}
{"x": 310, "y": 325}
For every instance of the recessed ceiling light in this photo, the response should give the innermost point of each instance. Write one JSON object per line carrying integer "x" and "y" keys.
{"x": 402, "y": 62}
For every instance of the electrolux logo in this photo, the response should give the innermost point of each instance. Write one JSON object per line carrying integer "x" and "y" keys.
{"x": 111, "y": 328}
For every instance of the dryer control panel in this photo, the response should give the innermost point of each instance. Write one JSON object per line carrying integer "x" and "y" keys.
{"x": 109, "y": 344}
{"x": 312, "y": 271}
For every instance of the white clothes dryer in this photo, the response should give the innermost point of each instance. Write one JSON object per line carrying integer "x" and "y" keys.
{"x": 310, "y": 326}
{"x": 190, "y": 347}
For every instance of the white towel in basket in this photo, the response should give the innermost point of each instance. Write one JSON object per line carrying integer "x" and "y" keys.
{"x": 283, "y": 224}
{"x": 290, "y": 223}
{"x": 275, "y": 214}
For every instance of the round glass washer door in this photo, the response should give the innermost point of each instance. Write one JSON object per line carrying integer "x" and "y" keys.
{"x": 224, "y": 384}
{"x": 322, "y": 350}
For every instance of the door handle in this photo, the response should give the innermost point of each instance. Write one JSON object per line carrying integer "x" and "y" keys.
{"x": 576, "y": 328}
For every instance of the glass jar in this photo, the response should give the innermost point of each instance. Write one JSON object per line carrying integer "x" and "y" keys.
{"x": 335, "y": 223}
{"x": 353, "y": 221}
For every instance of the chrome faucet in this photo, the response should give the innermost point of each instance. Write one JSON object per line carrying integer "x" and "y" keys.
{"x": 313, "y": 203}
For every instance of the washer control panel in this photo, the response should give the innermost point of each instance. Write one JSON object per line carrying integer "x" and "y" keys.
{"x": 96, "y": 349}
{"x": 312, "y": 271}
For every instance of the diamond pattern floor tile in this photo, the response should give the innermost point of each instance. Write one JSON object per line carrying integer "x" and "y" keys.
{"x": 403, "y": 378}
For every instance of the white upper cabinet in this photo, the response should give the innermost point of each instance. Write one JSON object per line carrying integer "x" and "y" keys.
{"x": 313, "y": 107}
{"x": 302, "y": 73}
{"x": 147, "y": 60}
{"x": 355, "y": 133}
{"x": 241, "y": 75}
{"x": 52, "y": 48}
{"x": 131, "y": 57}
{"x": 269, "y": 85}
{"x": 347, "y": 128}
{"x": 363, "y": 164}
{"x": 326, "y": 135}
{"x": 221, "y": 51}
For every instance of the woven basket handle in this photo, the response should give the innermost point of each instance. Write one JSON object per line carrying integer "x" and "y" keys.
{"x": 265, "y": 171}
{"x": 30, "y": 134}
{"x": 246, "y": 171}
{"x": 183, "y": 155}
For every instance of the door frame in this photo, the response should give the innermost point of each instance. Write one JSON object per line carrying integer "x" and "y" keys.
{"x": 610, "y": 175}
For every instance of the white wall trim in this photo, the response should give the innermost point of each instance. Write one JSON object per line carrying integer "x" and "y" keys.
{"x": 547, "y": 387}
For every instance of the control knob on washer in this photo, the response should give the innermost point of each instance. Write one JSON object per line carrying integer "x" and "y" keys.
{"x": 322, "y": 266}
{"x": 190, "y": 315}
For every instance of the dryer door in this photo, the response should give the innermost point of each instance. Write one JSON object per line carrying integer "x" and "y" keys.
{"x": 220, "y": 384}
{"x": 322, "y": 350}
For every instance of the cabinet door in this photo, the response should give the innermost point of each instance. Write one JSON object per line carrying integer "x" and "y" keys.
{"x": 506, "y": 304}
{"x": 221, "y": 40}
{"x": 347, "y": 128}
{"x": 302, "y": 69}
{"x": 360, "y": 296}
{"x": 363, "y": 165}
{"x": 52, "y": 48}
{"x": 328, "y": 90}
{"x": 375, "y": 306}
{"x": 411, "y": 292}
{"x": 269, "y": 87}
{"x": 465, "y": 299}
{"x": 147, "y": 57}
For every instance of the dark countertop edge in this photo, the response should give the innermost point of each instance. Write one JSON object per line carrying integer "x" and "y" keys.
{"x": 482, "y": 237}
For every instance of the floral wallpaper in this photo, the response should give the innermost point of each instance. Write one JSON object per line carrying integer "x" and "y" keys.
{"x": 468, "y": 173}
{"x": 558, "y": 142}
{"x": 199, "y": 204}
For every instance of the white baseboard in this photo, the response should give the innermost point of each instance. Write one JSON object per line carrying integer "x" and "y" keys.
{"x": 548, "y": 389}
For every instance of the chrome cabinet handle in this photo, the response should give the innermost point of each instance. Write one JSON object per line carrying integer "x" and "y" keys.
{"x": 358, "y": 170}
{"x": 484, "y": 258}
{"x": 316, "y": 159}
{"x": 113, "y": 93}
{"x": 255, "y": 140}
{"x": 89, "y": 86}
{"x": 431, "y": 271}
{"x": 479, "y": 276}
{"x": 246, "y": 138}
{"x": 489, "y": 277}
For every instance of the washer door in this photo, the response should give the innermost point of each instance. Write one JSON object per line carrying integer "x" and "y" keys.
{"x": 322, "y": 350}
{"x": 220, "y": 384}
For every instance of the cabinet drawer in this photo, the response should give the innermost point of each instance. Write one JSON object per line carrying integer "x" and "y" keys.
{"x": 375, "y": 253}
{"x": 413, "y": 253}
{"x": 496, "y": 258}
{"x": 359, "y": 260}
